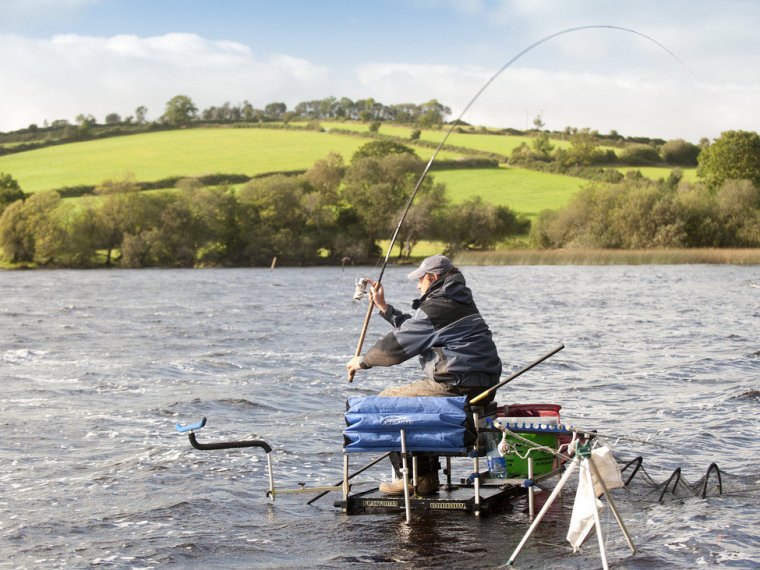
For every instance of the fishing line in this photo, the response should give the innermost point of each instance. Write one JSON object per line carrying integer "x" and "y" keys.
{"x": 459, "y": 118}
{"x": 480, "y": 92}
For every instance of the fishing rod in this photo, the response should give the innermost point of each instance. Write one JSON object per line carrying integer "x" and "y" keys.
{"x": 516, "y": 374}
{"x": 456, "y": 122}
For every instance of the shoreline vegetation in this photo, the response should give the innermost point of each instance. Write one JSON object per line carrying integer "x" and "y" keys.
{"x": 569, "y": 256}
{"x": 500, "y": 196}
{"x": 586, "y": 256}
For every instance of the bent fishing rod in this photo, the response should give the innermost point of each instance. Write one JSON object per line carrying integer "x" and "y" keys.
{"x": 457, "y": 121}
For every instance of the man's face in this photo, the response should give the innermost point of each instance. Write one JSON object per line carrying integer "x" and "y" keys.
{"x": 424, "y": 283}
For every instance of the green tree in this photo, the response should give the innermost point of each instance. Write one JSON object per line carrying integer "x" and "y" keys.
{"x": 185, "y": 225}
{"x": 475, "y": 224}
{"x": 141, "y": 114}
{"x": 275, "y": 111}
{"x": 584, "y": 149}
{"x": 10, "y": 191}
{"x": 433, "y": 114}
{"x": 29, "y": 229}
{"x": 425, "y": 219}
{"x": 639, "y": 155}
{"x": 735, "y": 155}
{"x": 180, "y": 110}
{"x": 83, "y": 232}
{"x": 16, "y": 237}
{"x": 121, "y": 212}
{"x": 541, "y": 143}
{"x": 377, "y": 189}
{"x": 85, "y": 124}
{"x": 324, "y": 179}
{"x": 380, "y": 149}
{"x": 276, "y": 220}
{"x": 738, "y": 202}
{"x": 680, "y": 152}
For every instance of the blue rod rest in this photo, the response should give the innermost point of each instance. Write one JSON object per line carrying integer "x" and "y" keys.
{"x": 192, "y": 427}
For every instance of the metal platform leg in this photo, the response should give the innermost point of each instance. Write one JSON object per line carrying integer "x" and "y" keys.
{"x": 531, "y": 490}
{"x": 586, "y": 472}
{"x": 545, "y": 508}
{"x": 476, "y": 463}
{"x": 618, "y": 518}
{"x": 345, "y": 479}
{"x": 405, "y": 473}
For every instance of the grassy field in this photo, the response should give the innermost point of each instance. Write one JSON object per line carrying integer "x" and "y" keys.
{"x": 191, "y": 152}
{"x": 500, "y": 144}
{"x": 657, "y": 172}
{"x": 524, "y": 191}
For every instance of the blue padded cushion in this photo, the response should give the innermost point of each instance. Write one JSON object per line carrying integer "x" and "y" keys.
{"x": 430, "y": 424}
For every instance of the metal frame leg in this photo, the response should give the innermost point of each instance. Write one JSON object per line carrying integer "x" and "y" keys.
{"x": 405, "y": 473}
{"x": 271, "y": 476}
{"x": 618, "y": 518}
{"x": 345, "y": 478}
{"x": 586, "y": 472}
{"x": 545, "y": 508}
{"x": 531, "y": 490}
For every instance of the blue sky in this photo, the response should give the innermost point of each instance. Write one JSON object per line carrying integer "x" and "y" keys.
{"x": 66, "y": 57}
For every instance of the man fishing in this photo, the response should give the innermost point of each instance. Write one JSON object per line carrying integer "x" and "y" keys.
{"x": 453, "y": 342}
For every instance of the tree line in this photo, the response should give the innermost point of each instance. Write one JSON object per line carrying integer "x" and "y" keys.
{"x": 180, "y": 111}
{"x": 332, "y": 211}
{"x": 721, "y": 210}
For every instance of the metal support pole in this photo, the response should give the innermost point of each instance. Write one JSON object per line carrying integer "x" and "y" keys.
{"x": 586, "y": 472}
{"x": 405, "y": 473}
{"x": 545, "y": 508}
{"x": 271, "y": 476}
{"x": 531, "y": 489}
{"x": 345, "y": 478}
{"x": 476, "y": 462}
{"x": 476, "y": 465}
{"x": 607, "y": 495}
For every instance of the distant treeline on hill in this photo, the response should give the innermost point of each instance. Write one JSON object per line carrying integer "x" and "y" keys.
{"x": 180, "y": 111}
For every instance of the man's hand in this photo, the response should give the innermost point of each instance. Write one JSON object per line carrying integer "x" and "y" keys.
{"x": 353, "y": 365}
{"x": 377, "y": 296}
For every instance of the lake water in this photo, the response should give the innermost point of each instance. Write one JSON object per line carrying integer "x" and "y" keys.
{"x": 97, "y": 367}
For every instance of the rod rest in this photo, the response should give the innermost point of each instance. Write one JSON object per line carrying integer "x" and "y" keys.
{"x": 229, "y": 444}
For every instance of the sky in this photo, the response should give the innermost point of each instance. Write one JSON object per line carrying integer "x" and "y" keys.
{"x": 678, "y": 69}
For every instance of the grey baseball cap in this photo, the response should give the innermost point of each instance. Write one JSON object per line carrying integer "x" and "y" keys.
{"x": 437, "y": 264}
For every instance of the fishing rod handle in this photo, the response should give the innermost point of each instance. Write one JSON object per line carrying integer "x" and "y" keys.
{"x": 361, "y": 339}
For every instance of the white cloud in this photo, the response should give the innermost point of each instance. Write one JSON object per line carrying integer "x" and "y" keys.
{"x": 634, "y": 103}
{"x": 72, "y": 74}
{"x": 586, "y": 82}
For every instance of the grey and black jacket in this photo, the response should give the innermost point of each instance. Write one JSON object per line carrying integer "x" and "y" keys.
{"x": 448, "y": 334}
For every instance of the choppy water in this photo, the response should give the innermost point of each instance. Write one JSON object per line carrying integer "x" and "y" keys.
{"x": 97, "y": 367}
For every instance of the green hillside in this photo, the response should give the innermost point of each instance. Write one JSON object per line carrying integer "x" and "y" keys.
{"x": 497, "y": 143}
{"x": 189, "y": 152}
{"x": 524, "y": 191}
{"x": 250, "y": 151}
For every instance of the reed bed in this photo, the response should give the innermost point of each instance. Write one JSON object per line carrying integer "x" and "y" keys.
{"x": 581, "y": 256}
